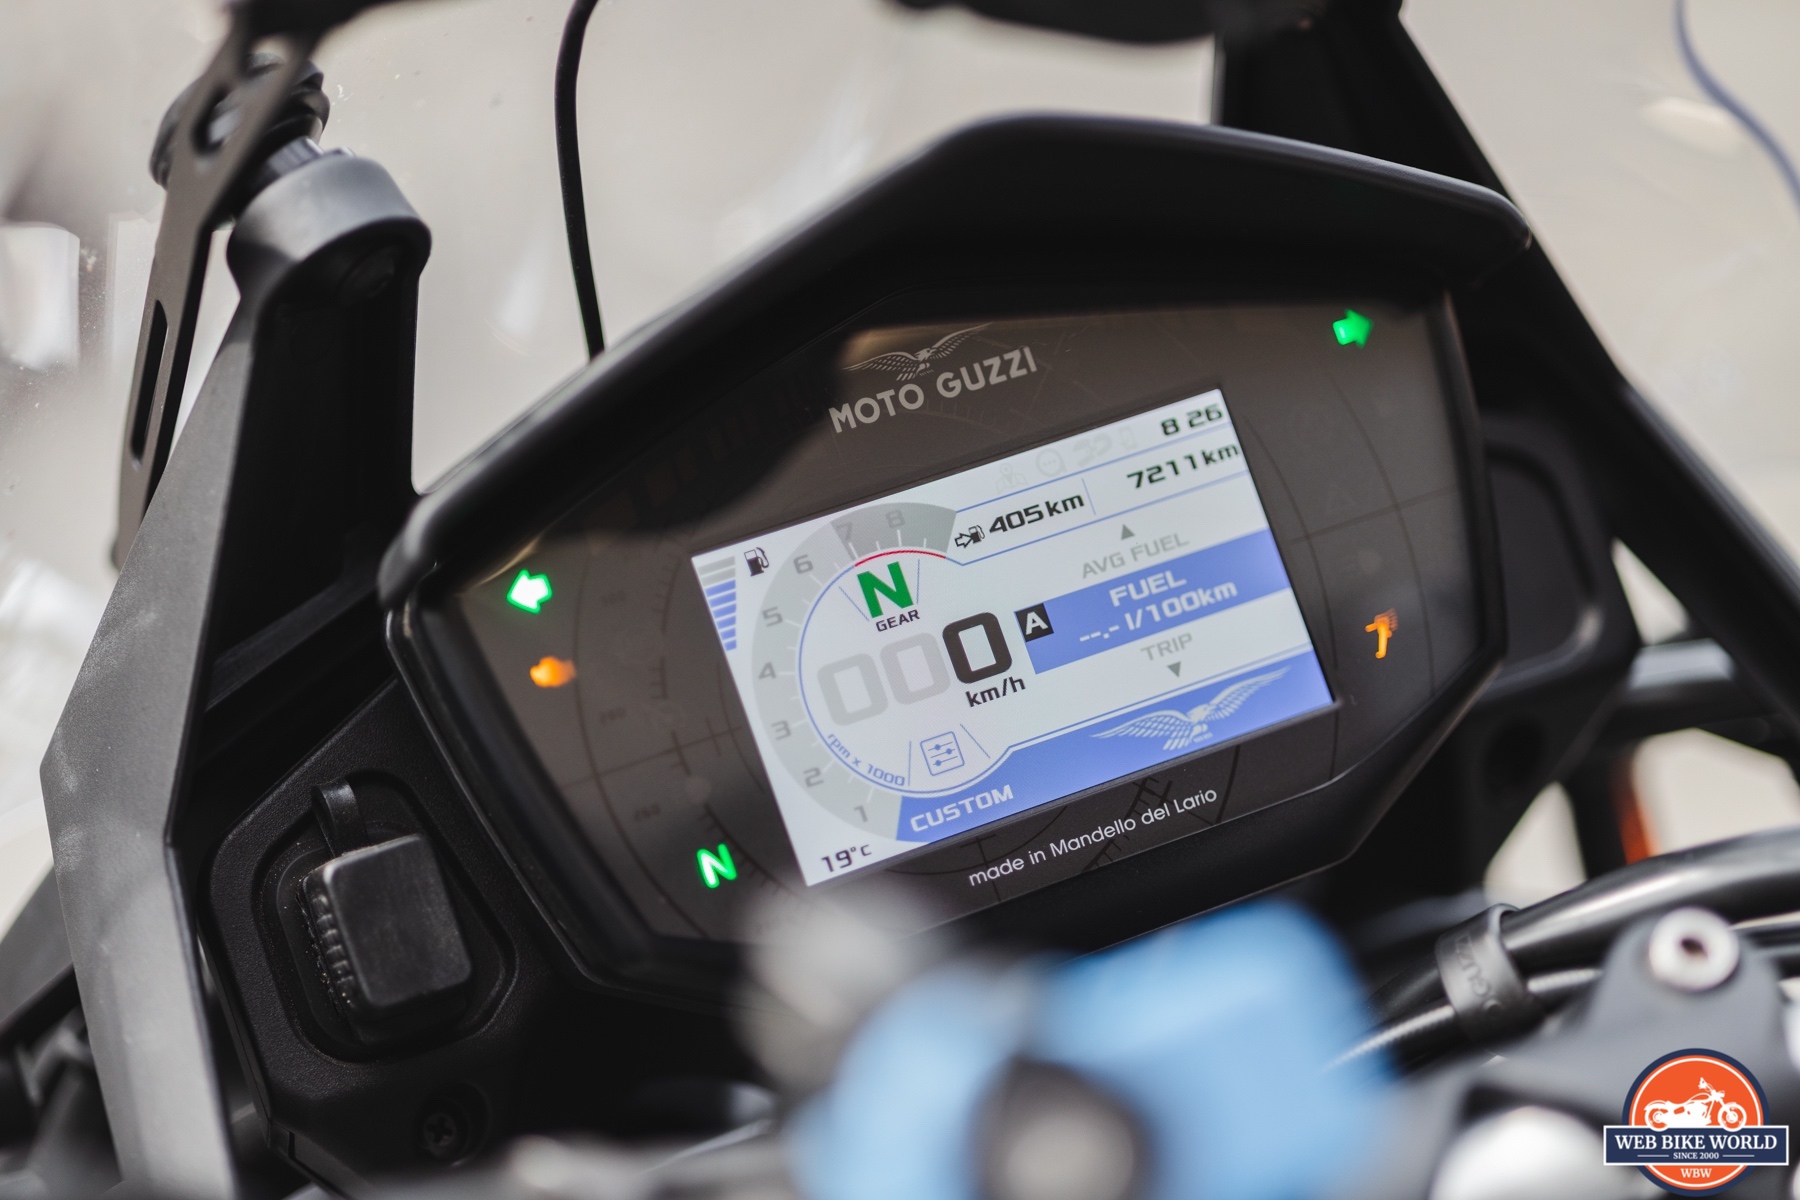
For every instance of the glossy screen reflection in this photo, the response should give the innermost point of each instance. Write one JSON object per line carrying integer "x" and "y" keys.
{"x": 966, "y": 650}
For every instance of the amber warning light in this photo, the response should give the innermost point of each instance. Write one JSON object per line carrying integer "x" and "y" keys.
{"x": 549, "y": 672}
{"x": 1383, "y": 628}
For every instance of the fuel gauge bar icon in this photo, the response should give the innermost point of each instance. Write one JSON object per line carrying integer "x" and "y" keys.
{"x": 718, "y": 583}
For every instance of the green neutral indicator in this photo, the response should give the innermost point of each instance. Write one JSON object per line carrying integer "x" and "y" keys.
{"x": 529, "y": 592}
{"x": 1353, "y": 327}
{"x": 715, "y": 865}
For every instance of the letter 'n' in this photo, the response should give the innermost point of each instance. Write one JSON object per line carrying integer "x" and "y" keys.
{"x": 896, "y": 591}
{"x": 715, "y": 866}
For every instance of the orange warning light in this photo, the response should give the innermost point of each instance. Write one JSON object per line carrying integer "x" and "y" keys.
{"x": 1383, "y": 628}
{"x": 552, "y": 672}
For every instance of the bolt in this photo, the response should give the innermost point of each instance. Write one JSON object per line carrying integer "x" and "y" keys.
{"x": 1692, "y": 950}
{"x": 444, "y": 1132}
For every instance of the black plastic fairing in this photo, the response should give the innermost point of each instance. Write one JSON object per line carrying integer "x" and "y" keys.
{"x": 973, "y": 229}
{"x": 1196, "y": 205}
{"x": 1571, "y": 639}
{"x": 1353, "y": 79}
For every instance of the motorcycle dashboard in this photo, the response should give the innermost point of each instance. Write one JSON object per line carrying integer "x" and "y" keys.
{"x": 1065, "y": 609}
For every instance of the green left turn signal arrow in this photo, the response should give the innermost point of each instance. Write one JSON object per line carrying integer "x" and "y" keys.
{"x": 529, "y": 592}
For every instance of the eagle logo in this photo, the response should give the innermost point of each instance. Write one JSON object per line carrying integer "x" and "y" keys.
{"x": 1182, "y": 730}
{"x": 910, "y": 366}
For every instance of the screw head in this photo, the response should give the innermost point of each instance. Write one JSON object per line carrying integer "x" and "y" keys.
{"x": 1692, "y": 950}
{"x": 444, "y": 1132}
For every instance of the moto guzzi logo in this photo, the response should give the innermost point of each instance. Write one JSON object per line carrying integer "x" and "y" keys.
{"x": 904, "y": 366}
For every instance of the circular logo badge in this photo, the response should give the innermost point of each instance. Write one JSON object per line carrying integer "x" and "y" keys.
{"x": 1690, "y": 1099}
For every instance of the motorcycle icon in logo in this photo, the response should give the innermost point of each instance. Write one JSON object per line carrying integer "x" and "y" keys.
{"x": 1707, "y": 1107}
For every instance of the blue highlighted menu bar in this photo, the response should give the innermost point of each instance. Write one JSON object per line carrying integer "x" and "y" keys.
{"x": 1128, "y": 608}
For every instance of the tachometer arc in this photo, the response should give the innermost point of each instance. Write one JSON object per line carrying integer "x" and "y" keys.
{"x": 883, "y": 554}
{"x": 831, "y": 553}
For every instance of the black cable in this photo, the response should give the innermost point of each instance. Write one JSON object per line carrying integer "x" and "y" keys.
{"x": 1436, "y": 1029}
{"x": 568, "y": 168}
{"x": 1404, "y": 1038}
{"x": 1740, "y": 879}
{"x": 1562, "y": 939}
{"x": 1710, "y": 84}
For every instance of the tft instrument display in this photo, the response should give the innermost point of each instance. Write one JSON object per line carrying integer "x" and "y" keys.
{"x": 971, "y": 648}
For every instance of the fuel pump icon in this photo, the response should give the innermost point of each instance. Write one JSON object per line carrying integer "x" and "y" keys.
{"x": 758, "y": 560}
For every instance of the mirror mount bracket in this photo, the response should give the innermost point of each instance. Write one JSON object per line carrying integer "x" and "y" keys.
{"x": 307, "y": 407}
{"x": 213, "y": 141}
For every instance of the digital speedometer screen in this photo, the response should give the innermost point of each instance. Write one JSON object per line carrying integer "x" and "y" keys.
{"x": 1010, "y": 635}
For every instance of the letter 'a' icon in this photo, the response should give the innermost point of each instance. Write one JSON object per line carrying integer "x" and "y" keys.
{"x": 1034, "y": 622}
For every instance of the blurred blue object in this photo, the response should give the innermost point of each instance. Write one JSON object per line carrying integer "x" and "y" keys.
{"x": 1215, "y": 1034}
{"x": 899, "y": 1121}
